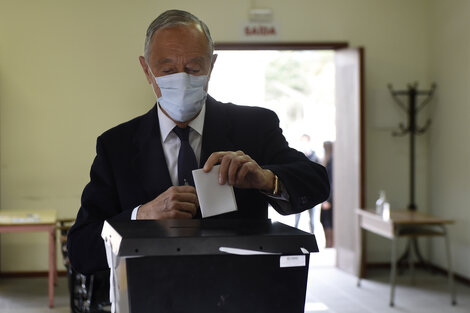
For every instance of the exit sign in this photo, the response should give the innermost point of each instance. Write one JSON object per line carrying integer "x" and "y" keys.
{"x": 260, "y": 31}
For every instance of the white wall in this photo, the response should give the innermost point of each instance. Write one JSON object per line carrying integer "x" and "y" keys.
{"x": 449, "y": 147}
{"x": 69, "y": 71}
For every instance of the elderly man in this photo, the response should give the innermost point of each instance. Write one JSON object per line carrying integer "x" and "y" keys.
{"x": 137, "y": 172}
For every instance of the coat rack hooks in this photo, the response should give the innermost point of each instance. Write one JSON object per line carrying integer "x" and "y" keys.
{"x": 412, "y": 109}
{"x": 412, "y": 127}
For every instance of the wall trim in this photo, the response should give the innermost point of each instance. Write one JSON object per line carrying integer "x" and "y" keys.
{"x": 281, "y": 45}
{"x": 30, "y": 274}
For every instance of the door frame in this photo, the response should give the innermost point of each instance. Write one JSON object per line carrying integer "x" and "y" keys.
{"x": 337, "y": 45}
{"x": 281, "y": 45}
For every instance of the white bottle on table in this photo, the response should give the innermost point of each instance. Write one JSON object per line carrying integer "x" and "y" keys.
{"x": 379, "y": 204}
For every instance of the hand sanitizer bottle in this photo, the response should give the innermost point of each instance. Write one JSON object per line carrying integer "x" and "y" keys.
{"x": 379, "y": 204}
{"x": 386, "y": 211}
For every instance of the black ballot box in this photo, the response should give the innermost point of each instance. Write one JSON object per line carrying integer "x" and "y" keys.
{"x": 183, "y": 266}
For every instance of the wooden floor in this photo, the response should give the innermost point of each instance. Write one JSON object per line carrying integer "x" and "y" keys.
{"x": 329, "y": 290}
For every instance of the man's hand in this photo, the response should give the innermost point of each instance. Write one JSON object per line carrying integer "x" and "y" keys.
{"x": 240, "y": 170}
{"x": 177, "y": 202}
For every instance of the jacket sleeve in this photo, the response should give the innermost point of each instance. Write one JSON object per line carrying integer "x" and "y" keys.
{"x": 306, "y": 182}
{"x": 99, "y": 202}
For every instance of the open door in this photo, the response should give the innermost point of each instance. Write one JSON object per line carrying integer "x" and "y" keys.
{"x": 348, "y": 160}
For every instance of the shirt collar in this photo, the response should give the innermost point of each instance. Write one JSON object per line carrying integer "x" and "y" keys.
{"x": 167, "y": 125}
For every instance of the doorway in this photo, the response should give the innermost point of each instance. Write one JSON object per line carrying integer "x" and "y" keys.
{"x": 299, "y": 85}
{"x": 233, "y": 80}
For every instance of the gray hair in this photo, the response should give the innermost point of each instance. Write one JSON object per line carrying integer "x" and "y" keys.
{"x": 172, "y": 18}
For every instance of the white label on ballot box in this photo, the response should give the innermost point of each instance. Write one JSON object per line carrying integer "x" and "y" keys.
{"x": 292, "y": 260}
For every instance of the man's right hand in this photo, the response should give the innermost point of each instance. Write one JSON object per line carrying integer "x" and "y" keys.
{"x": 177, "y": 202}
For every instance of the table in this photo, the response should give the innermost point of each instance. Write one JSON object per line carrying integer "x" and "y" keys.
{"x": 403, "y": 223}
{"x": 35, "y": 221}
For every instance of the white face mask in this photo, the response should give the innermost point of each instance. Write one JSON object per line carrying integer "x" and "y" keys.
{"x": 183, "y": 95}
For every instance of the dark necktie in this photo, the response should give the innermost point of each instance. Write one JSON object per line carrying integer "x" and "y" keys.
{"x": 186, "y": 157}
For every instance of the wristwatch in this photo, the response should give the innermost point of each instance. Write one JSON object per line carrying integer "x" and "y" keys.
{"x": 277, "y": 187}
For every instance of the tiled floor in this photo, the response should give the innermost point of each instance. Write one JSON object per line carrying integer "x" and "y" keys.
{"x": 29, "y": 295}
{"x": 329, "y": 291}
{"x": 333, "y": 291}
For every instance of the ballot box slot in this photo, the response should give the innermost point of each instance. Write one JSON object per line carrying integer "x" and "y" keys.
{"x": 211, "y": 245}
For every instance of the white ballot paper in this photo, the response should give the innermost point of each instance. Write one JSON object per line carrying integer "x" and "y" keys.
{"x": 214, "y": 199}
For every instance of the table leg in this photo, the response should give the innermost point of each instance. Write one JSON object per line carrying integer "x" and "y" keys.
{"x": 450, "y": 271}
{"x": 360, "y": 261}
{"x": 393, "y": 272}
{"x": 52, "y": 267}
{"x": 412, "y": 264}
{"x": 54, "y": 258}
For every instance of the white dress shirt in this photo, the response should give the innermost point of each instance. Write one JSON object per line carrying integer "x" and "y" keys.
{"x": 171, "y": 143}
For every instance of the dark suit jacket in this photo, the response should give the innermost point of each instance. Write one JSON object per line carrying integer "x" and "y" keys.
{"x": 130, "y": 169}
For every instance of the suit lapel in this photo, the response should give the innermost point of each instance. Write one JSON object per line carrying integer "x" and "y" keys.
{"x": 149, "y": 160}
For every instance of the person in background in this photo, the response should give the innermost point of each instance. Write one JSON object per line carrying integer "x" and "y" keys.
{"x": 306, "y": 148}
{"x": 326, "y": 216}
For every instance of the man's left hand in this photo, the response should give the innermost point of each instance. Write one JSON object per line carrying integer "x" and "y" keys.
{"x": 240, "y": 170}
